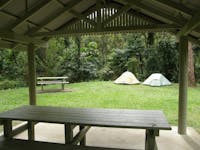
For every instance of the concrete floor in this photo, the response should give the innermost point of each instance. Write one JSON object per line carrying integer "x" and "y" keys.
{"x": 120, "y": 138}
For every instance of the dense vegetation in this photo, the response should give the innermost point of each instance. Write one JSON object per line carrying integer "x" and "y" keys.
{"x": 102, "y": 57}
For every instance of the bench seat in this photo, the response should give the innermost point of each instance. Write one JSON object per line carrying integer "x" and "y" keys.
{"x": 15, "y": 144}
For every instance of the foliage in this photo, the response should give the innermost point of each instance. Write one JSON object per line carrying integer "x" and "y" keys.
{"x": 163, "y": 59}
{"x": 9, "y": 84}
{"x": 197, "y": 62}
{"x": 168, "y": 60}
{"x": 103, "y": 57}
{"x": 12, "y": 65}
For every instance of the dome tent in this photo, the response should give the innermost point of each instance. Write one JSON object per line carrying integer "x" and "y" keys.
{"x": 127, "y": 78}
{"x": 157, "y": 79}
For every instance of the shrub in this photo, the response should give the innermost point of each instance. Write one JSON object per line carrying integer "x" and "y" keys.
{"x": 9, "y": 84}
{"x": 105, "y": 73}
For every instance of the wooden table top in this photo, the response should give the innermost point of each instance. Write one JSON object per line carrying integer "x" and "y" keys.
{"x": 123, "y": 118}
{"x": 50, "y": 78}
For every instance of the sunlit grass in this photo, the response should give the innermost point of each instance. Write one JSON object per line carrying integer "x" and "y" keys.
{"x": 99, "y": 94}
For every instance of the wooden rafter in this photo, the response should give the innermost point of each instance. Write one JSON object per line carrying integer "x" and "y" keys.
{"x": 190, "y": 25}
{"x": 11, "y": 45}
{"x": 177, "y": 6}
{"x": 5, "y": 44}
{"x": 4, "y": 3}
{"x": 74, "y": 20}
{"x": 53, "y": 17}
{"x": 159, "y": 27}
{"x": 139, "y": 14}
{"x": 122, "y": 10}
{"x": 30, "y": 13}
{"x": 17, "y": 17}
{"x": 80, "y": 16}
{"x": 137, "y": 4}
{"x": 11, "y": 36}
{"x": 194, "y": 40}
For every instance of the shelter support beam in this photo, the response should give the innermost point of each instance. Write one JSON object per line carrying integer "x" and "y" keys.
{"x": 4, "y": 3}
{"x": 32, "y": 74}
{"x": 183, "y": 84}
{"x": 193, "y": 23}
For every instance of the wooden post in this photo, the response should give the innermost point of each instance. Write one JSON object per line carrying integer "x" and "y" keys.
{"x": 83, "y": 141}
{"x": 32, "y": 86}
{"x": 63, "y": 85}
{"x": 7, "y": 129}
{"x": 32, "y": 74}
{"x": 31, "y": 131}
{"x": 68, "y": 133}
{"x": 183, "y": 84}
{"x": 150, "y": 141}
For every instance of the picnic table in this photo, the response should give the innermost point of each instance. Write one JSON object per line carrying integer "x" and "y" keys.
{"x": 150, "y": 120}
{"x": 52, "y": 80}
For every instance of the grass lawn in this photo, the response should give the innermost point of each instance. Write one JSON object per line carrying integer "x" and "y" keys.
{"x": 99, "y": 94}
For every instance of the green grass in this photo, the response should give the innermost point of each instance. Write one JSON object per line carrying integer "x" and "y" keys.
{"x": 108, "y": 95}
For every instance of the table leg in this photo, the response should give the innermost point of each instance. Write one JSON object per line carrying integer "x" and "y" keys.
{"x": 68, "y": 133}
{"x": 7, "y": 129}
{"x": 63, "y": 86}
{"x": 83, "y": 141}
{"x": 150, "y": 141}
{"x": 31, "y": 131}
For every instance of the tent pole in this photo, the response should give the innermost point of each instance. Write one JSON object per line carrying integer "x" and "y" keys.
{"x": 31, "y": 74}
{"x": 183, "y": 84}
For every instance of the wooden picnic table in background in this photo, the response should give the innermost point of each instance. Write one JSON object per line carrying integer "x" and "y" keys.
{"x": 52, "y": 80}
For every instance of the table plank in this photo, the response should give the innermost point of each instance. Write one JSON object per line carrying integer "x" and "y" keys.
{"x": 52, "y": 82}
{"x": 43, "y": 78}
{"x": 123, "y": 118}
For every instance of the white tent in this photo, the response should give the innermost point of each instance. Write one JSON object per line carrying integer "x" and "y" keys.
{"x": 156, "y": 79}
{"x": 127, "y": 78}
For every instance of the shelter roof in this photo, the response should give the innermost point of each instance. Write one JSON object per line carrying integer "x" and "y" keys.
{"x": 35, "y": 21}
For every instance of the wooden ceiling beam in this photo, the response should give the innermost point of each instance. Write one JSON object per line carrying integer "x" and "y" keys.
{"x": 159, "y": 27}
{"x": 82, "y": 17}
{"x": 4, "y": 3}
{"x": 137, "y": 13}
{"x": 18, "y": 38}
{"x": 30, "y": 13}
{"x": 74, "y": 20}
{"x": 136, "y": 4}
{"x": 17, "y": 17}
{"x": 122, "y": 10}
{"x": 78, "y": 15}
{"x": 5, "y": 44}
{"x": 193, "y": 23}
{"x": 194, "y": 40}
{"x": 53, "y": 17}
{"x": 177, "y": 6}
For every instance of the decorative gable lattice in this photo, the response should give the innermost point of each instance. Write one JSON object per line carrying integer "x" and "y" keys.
{"x": 109, "y": 19}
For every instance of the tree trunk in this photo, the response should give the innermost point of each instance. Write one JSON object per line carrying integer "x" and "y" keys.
{"x": 191, "y": 75}
{"x": 150, "y": 39}
{"x": 78, "y": 56}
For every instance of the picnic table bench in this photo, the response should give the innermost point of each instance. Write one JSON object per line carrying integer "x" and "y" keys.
{"x": 16, "y": 144}
{"x": 150, "y": 120}
{"x": 52, "y": 80}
